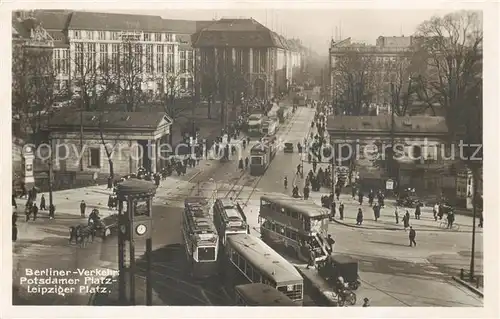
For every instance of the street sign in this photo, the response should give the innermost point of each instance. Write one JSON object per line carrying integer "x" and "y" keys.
{"x": 389, "y": 184}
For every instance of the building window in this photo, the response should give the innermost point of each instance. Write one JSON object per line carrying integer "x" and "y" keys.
{"x": 170, "y": 58}
{"x": 182, "y": 61}
{"x": 147, "y": 36}
{"x": 190, "y": 84}
{"x": 95, "y": 157}
{"x": 65, "y": 62}
{"x": 92, "y": 55}
{"x": 158, "y": 37}
{"x": 149, "y": 59}
{"x": 77, "y": 34}
{"x": 89, "y": 35}
{"x": 169, "y": 37}
{"x": 182, "y": 83}
{"x": 160, "y": 66}
{"x": 79, "y": 59}
{"x": 102, "y": 35}
{"x": 115, "y": 57}
{"x": 115, "y": 36}
{"x": 263, "y": 60}
{"x": 103, "y": 57}
{"x": 190, "y": 61}
{"x": 138, "y": 57}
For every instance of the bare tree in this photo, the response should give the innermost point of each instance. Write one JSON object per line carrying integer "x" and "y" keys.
{"x": 33, "y": 91}
{"x": 400, "y": 73}
{"x": 354, "y": 77}
{"x": 452, "y": 46}
{"x": 128, "y": 71}
{"x": 86, "y": 75}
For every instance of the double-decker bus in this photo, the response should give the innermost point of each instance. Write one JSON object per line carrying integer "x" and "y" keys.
{"x": 200, "y": 237}
{"x": 250, "y": 260}
{"x": 261, "y": 155}
{"x": 288, "y": 223}
{"x": 261, "y": 295}
{"x": 229, "y": 219}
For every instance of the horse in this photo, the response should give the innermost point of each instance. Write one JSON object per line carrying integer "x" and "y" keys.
{"x": 82, "y": 234}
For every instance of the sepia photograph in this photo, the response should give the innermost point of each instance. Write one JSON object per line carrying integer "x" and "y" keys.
{"x": 247, "y": 157}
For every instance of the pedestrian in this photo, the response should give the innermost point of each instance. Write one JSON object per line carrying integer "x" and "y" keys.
{"x": 417, "y": 212}
{"x": 14, "y": 232}
{"x": 306, "y": 192}
{"x": 435, "y": 211}
{"x": 157, "y": 180}
{"x": 42, "y": 203}
{"x": 412, "y": 235}
{"x": 334, "y": 208}
{"x": 376, "y": 211}
{"x": 110, "y": 182}
{"x": 83, "y": 206}
{"x": 353, "y": 192}
{"x": 14, "y": 204}
{"x": 396, "y": 214}
{"x": 451, "y": 219}
{"x": 298, "y": 170}
{"x": 246, "y": 162}
{"x": 366, "y": 302}
{"x": 34, "y": 211}
{"x": 244, "y": 144}
{"x": 360, "y": 198}
{"x": 52, "y": 210}
{"x": 359, "y": 217}
{"x": 337, "y": 192}
{"x": 406, "y": 220}
{"x": 370, "y": 197}
{"x": 27, "y": 212}
{"x": 480, "y": 225}
{"x": 341, "y": 210}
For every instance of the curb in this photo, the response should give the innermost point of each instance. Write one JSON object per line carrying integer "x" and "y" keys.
{"x": 395, "y": 228}
{"x": 468, "y": 286}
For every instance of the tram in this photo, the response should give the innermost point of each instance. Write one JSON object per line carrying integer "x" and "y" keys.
{"x": 250, "y": 260}
{"x": 261, "y": 155}
{"x": 270, "y": 127}
{"x": 287, "y": 223}
{"x": 200, "y": 237}
{"x": 229, "y": 219}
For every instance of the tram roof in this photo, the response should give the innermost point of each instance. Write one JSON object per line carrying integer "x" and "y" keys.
{"x": 264, "y": 258}
{"x": 259, "y": 294}
{"x": 305, "y": 207}
{"x": 200, "y": 219}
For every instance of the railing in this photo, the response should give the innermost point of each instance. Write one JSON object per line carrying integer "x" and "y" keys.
{"x": 478, "y": 279}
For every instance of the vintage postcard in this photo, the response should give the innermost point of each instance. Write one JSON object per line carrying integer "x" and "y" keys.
{"x": 249, "y": 154}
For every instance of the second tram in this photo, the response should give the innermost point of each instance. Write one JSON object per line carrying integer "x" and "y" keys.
{"x": 261, "y": 295}
{"x": 200, "y": 237}
{"x": 229, "y": 219}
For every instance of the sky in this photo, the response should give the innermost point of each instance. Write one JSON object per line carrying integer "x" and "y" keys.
{"x": 316, "y": 27}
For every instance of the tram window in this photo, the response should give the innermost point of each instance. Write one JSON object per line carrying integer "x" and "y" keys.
{"x": 241, "y": 263}
{"x": 287, "y": 233}
{"x": 265, "y": 203}
{"x": 256, "y": 276}
{"x": 249, "y": 272}
{"x": 295, "y": 215}
{"x": 273, "y": 227}
{"x": 293, "y": 235}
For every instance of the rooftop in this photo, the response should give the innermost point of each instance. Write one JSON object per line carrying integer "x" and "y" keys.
{"x": 82, "y": 20}
{"x": 115, "y": 120}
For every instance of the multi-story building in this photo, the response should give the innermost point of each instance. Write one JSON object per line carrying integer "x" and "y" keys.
{"x": 243, "y": 57}
{"x": 388, "y": 57}
{"x": 163, "y": 44}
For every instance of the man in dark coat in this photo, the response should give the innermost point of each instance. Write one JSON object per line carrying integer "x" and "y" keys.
{"x": 83, "y": 206}
{"x": 417, "y": 212}
{"x": 376, "y": 211}
{"x": 246, "y": 162}
{"x": 42, "y": 203}
{"x": 412, "y": 236}
{"x": 52, "y": 211}
{"x": 34, "y": 211}
{"x": 110, "y": 182}
{"x": 333, "y": 209}
{"x": 341, "y": 211}
{"x": 337, "y": 192}
{"x": 306, "y": 192}
{"x": 360, "y": 197}
{"x": 370, "y": 198}
{"x": 359, "y": 217}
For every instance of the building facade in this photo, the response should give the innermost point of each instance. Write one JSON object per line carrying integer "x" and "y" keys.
{"x": 241, "y": 57}
{"x": 389, "y": 59}
{"x": 86, "y": 40}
